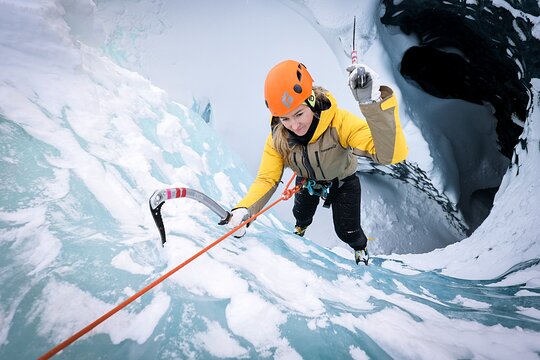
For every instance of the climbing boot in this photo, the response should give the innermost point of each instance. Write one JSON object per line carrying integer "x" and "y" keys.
{"x": 299, "y": 230}
{"x": 361, "y": 256}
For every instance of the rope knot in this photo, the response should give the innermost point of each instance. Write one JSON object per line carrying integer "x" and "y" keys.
{"x": 287, "y": 193}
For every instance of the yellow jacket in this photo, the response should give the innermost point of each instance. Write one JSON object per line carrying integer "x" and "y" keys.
{"x": 330, "y": 154}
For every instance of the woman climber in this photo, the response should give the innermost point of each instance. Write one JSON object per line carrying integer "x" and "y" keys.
{"x": 316, "y": 139}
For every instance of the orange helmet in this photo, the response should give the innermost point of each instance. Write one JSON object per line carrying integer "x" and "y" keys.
{"x": 287, "y": 85}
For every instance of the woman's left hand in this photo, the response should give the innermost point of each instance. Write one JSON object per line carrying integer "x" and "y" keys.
{"x": 364, "y": 83}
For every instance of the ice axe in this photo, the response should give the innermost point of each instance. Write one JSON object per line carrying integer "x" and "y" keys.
{"x": 159, "y": 197}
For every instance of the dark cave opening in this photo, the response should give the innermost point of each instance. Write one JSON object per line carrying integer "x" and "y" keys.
{"x": 475, "y": 52}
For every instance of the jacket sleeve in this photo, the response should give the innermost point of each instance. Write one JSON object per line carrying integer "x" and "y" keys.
{"x": 382, "y": 139}
{"x": 266, "y": 182}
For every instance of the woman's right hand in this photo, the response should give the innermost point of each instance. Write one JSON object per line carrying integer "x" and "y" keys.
{"x": 238, "y": 216}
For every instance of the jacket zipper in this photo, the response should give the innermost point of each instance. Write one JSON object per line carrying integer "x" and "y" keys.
{"x": 319, "y": 164}
{"x": 307, "y": 164}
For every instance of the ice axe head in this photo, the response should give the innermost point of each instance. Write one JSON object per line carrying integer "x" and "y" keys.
{"x": 156, "y": 202}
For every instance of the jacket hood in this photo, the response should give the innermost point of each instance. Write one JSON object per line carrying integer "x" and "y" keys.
{"x": 326, "y": 118}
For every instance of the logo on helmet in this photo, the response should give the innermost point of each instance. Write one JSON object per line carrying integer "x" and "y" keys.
{"x": 287, "y": 100}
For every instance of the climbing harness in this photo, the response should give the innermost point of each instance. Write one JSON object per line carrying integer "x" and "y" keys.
{"x": 318, "y": 188}
{"x": 156, "y": 201}
{"x": 326, "y": 189}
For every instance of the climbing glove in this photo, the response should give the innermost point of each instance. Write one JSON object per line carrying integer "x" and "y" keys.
{"x": 239, "y": 215}
{"x": 364, "y": 83}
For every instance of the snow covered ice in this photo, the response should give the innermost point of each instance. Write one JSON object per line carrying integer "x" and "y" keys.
{"x": 101, "y": 103}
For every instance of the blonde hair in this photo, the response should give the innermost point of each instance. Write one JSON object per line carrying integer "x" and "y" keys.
{"x": 280, "y": 135}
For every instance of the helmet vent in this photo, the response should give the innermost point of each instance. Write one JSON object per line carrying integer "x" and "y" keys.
{"x": 297, "y": 88}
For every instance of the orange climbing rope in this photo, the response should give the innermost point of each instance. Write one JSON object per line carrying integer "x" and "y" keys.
{"x": 287, "y": 193}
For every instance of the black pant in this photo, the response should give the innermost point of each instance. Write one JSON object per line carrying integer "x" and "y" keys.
{"x": 345, "y": 211}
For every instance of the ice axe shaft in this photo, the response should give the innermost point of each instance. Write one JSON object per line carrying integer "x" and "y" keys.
{"x": 354, "y": 55}
{"x": 354, "y": 58}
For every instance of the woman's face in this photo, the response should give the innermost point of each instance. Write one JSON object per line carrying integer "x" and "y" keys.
{"x": 299, "y": 120}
